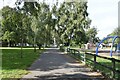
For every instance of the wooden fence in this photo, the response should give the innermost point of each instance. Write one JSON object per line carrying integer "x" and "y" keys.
{"x": 115, "y": 73}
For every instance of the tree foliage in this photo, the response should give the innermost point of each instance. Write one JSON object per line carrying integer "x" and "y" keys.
{"x": 34, "y": 23}
{"x": 91, "y": 35}
{"x": 72, "y": 20}
{"x": 115, "y": 32}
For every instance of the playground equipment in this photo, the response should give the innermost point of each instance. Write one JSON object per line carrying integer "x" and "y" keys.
{"x": 111, "y": 50}
{"x": 118, "y": 48}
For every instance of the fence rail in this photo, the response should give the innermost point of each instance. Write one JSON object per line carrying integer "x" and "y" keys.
{"x": 82, "y": 57}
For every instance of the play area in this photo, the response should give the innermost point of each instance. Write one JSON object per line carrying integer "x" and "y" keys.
{"x": 114, "y": 49}
{"x": 106, "y": 59}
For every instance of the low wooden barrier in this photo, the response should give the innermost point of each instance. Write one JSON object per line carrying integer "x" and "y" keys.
{"x": 82, "y": 57}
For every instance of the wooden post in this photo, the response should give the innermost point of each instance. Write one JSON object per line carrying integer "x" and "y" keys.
{"x": 74, "y": 52}
{"x": 84, "y": 58}
{"x": 113, "y": 66}
{"x": 79, "y": 54}
{"x": 94, "y": 61}
{"x": 70, "y": 51}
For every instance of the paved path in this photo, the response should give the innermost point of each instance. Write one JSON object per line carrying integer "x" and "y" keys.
{"x": 55, "y": 65}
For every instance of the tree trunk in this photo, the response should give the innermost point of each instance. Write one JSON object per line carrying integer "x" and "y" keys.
{"x": 8, "y": 44}
{"x": 39, "y": 47}
{"x": 21, "y": 48}
{"x": 15, "y": 44}
{"x": 34, "y": 44}
{"x": 34, "y": 48}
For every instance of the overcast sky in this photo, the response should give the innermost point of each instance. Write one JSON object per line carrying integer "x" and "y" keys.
{"x": 103, "y": 13}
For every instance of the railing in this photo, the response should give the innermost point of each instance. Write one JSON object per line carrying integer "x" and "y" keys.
{"x": 115, "y": 73}
{"x": 77, "y": 55}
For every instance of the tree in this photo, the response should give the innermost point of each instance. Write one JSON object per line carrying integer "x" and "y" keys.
{"x": 36, "y": 25}
{"x": 72, "y": 20}
{"x": 91, "y": 35}
{"x": 9, "y": 36}
{"x": 116, "y": 31}
{"x": 14, "y": 28}
{"x": 40, "y": 21}
{"x": 44, "y": 17}
{"x": 31, "y": 10}
{"x": 10, "y": 24}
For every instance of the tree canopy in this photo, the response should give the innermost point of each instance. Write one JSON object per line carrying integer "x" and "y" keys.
{"x": 39, "y": 24}
{"x": 115, "y": 32}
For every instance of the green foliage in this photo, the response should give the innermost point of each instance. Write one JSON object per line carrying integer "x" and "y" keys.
{"x": 35, "y": 24}
{"x": 72, "y": 20}
{"x": 91, "y": 35}
{"x": 9, "y": 36}
{"x": 115, "y": 32}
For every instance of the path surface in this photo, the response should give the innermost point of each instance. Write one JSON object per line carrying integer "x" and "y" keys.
{"x": 55, "y": 65}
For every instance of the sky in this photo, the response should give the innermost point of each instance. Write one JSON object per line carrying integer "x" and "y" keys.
{"x": 103, "y": 13}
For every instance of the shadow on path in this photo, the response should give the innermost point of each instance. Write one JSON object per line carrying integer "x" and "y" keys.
{"x": 55, "y": 65}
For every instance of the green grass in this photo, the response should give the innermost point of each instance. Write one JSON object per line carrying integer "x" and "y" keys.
{"x": 102, "y": 69}
{"x": 13, "y": 66}
{"x": 17, "y": 48}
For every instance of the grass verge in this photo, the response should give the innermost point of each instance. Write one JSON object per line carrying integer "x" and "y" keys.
{"x": 107, "y": 72}
{"x": 102, "y": 69}
{"x": 13, "y": 66}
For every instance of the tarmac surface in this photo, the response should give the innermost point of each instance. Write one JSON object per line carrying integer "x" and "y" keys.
{"x": 55, "y": 65}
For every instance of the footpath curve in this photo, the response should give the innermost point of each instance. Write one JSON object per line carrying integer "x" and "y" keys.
{"x": 55, "y": 65}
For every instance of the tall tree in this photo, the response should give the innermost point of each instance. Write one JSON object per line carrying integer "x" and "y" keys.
{"x": 72, "y": 19}
{"x": 116, "y": 31}
{"x": 11, "y": 23}
{"x": 91, "y": 35}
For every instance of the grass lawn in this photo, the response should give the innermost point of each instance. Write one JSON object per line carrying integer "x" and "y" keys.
{"x": 99, "y": 67}
{"x": 104, "y": 62}
{"x": 13, "y": 66}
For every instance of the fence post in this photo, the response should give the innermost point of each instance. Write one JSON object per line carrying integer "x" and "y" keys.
{"x": 67, "y": 50}
{"x": 70, "y": 51}
{"x": 113, "y": 66}
{"x": 94, "y": 61}
{"x": 74, "y": 52}
{"x": 84, "y": 58}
